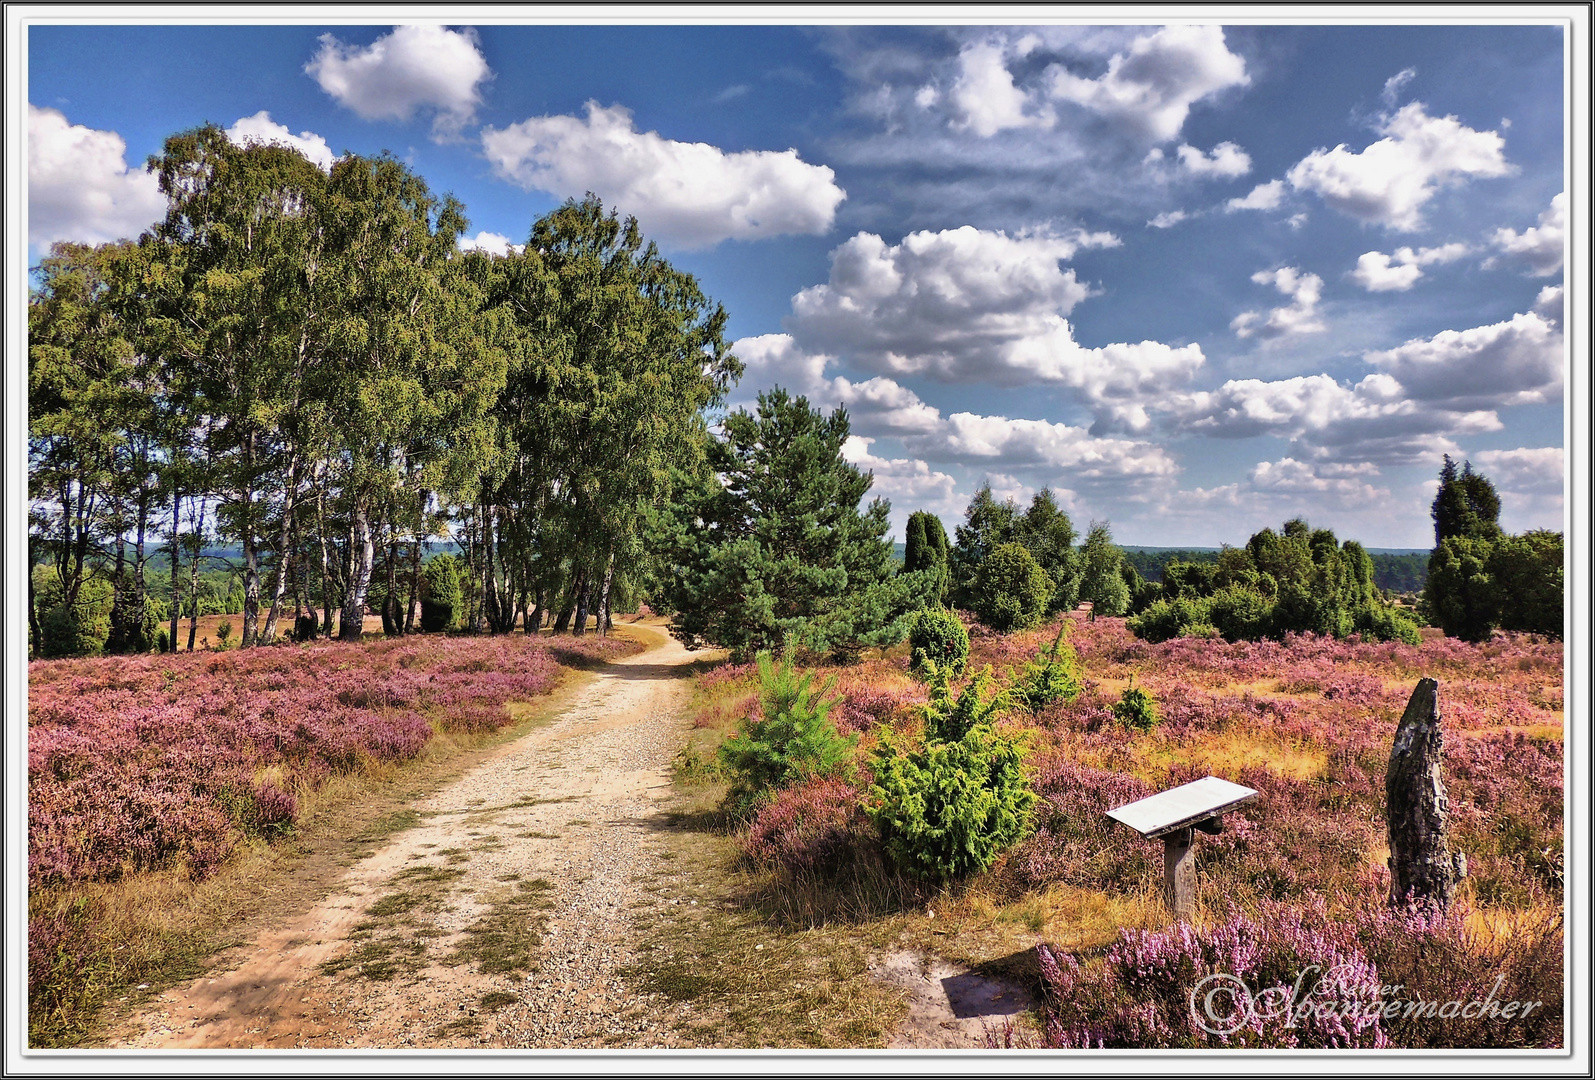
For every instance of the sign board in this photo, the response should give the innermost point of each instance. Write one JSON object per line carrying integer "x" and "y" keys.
{"x": 1182, "y": 807}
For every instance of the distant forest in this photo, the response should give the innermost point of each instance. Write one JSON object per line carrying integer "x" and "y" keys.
{"x": 1393, "y": 571}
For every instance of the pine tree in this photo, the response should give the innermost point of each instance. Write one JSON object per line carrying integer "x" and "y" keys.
{"x": 925, "y": 548}
{"x": 774, "y": 547}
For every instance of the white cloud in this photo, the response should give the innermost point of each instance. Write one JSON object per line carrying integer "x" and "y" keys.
{"x": 80, "y": 187}
{"x": 1151, "y": 88}
{"x": 692, "y": 195}
{"x": 1378, "y": 272}
{"x": 909, "y": 484}
{"x": 1300, "y": 316}
{"x": 1542, "y": 246}
{"x": 1343, "y": 485}
{"x": 1168, "y": 218}
{"x": 984, "y": 98}
{"x": 1516, "y": 362}
{"x": 1085, "y": 458}
{"x": 1527, "y": 470}
{"x": 1394, "y": 84}
{"x": 966, "y": 305}
{"x": 260, "y": 128}
{"x": 1389, "y": 181}
{"x": 490, "y": 242}
{"x": 875, "y": 406}
{"x": 1548, "y": 303}
{"x": 1226, "y": 161}
{"x": 1262, "y": 197}
{"x": 413, "y": 68}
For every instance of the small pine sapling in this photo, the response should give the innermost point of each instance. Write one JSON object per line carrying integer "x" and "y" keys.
{"x": 793, "y": 740}
{"x": 1137, "y": 709}
{"x": 1054, "y": 676}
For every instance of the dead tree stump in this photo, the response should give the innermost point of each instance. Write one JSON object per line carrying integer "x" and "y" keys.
{"x": 1422, "y": 867}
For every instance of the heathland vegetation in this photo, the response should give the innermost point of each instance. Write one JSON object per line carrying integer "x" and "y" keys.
{"x": 306, "y": 369}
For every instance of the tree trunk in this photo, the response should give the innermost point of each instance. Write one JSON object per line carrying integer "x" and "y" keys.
{"x": 415, "y": 577}
{"x": 176, "y": 548}
{"x": 603, "y": 596}
{"x": 1422, "y": 868}
{"x": 582, "y": 600}
{"x": 251, "y": 556}
{"x": 285, "y": 559}
{"x": 392, "y": 621}
{"x": 196, "y": 519}
{"x": 568, "y": 607}
{"x": 361, "y": 556}
{"x": 326, "y": 563}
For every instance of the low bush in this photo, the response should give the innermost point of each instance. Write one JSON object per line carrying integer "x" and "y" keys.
{"x": 1011, "y": 589}
{"x": 1054, "y": 676}
{"x": 1136, "y": 710}
{"x": 808, "y": 828}
{"x": 936, "y": 635}
{"x": 948, "y": 807}
{"x": 793, "y": 738}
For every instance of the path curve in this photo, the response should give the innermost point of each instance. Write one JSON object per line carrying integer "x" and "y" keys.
{"x": 575, "y": 807}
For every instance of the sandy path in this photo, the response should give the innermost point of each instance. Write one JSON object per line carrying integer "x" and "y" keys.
{"x": 574, "y": 806}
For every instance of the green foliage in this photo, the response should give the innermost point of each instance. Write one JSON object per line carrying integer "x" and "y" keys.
{"x": 1101, "y": 578}
{"x": 792, "y": 740}
{"x": 1239, "y": 613}
{"x": 1528, "y": 575}
{"x": 1011, "y": 590}
{"x": 224, "y": 630}
{"x": 936, "y": 636}
{"x": 1136, "y": 709}
{"x": 1052, "y": 677}
{"x": 988, "y": 525}
{"x": 1048, "y": 534}
{"x": 773, "y": 546}
{"x": 925, "y": 549}
{"x": 1166, "y": 619}
{"x": 948, "y": 719}
{"x": 1386, "y": 624}
{"x": 948, "y": 807}
{"x": 1460, "y": 594}
{"x": 76, "y": 629}
{"x": 1465, "y": 505}
{"x": 441, "y": 594}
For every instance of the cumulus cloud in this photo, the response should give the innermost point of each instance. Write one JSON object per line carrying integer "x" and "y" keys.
{"x": 261, "y": 128}
{"x": 1373, "y": 420}
{"x": 1324, "y": 482}
{"x": 1389, "y": 181}
{"x": 490, "y": 242}
{"x": 1394, "y": 84}
{"x": 80, "y": 187}
{"x": 1534, "y": 470}
{"x": 1540, "y": 247}
{"x": 1087, "y": 459}
{"x": 966, "y": 305}
{"x": 1151, "y": 87}
{"x": 983, "y": 98}
{"x": 1378, "y": 272}
{"x": 877, "y": 406}
{"x": 909, "y": 484}
{"x": 1225, "y": 161}
{"x": 413, "y": 69}
{"x": 1516, "y": 362}
{"x": 691, "y": 195}
{"x": 1262, "y": 197}
{"x": 1300, "y": 316}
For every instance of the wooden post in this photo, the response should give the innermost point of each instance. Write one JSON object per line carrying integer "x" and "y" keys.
{"x": 1179, "y": 873}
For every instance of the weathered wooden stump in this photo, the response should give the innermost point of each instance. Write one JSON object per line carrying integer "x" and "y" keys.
{"x": 1422, "y": 866}
{"x": 1174, "y": 816}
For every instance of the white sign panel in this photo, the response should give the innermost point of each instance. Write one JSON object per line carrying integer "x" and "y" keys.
{"x": 1182, "y": 807}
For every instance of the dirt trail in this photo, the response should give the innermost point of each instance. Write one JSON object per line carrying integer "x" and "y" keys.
{"x": 567, "y": 816}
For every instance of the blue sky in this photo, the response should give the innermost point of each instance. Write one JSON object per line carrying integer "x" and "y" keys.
{"x": 1197, "y": 279}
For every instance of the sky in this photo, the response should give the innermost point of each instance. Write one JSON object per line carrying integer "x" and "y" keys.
{"x": 1197, "y": 279}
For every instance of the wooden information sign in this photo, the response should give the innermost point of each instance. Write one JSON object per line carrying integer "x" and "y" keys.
{"x": 1171, "y": 816}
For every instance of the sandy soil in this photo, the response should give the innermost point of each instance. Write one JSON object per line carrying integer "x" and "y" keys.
{"x": 574, "y": 809}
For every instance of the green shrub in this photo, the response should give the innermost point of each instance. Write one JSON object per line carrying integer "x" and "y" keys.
{"x": 442, "y": 595}
{"x": 80, "y": 629}
{"x": 1167, "y": 619}
{"x": 1381, "y": 623}
{"x": 224, "y": 630}
{"x": 1011, "y": 589}
{"x": 1238, "y": 614}
{"x": 936, "y": 635}
{"x": 949, "y": 807}
{"x": 1053, "y": 676}
{"x": 1137, "y": 709}
{"x": 792, "y": 740}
